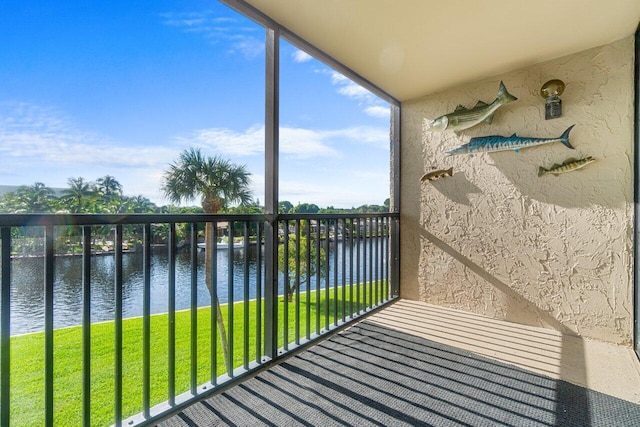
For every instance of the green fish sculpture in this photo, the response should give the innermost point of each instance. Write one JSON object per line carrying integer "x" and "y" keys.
{"x": 485, "y": 144}
{"x": 566, "y": 166}
{"x": 430, "y": 176}
{"x": 463, "y": 118}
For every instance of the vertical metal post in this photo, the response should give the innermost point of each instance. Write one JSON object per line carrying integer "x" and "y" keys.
{"x": 297, "y": 282}
{"x": 259, "y": 295}
{"x": 194, "y": 308}
{"x": 231, "y": 301}
{"x": 118, "y": 324}
{"x": 371, "y": 237}
{"x": 357, "y": 265}
{"x": 285, "y": 267}
{"x": 335, "y": 272}
{"x": 48, "y": 324}
{"x": 351, "y": 231}
{"x": 377, "y": 263}
{"x": 86, "y": 326}
{"x": 395, "y": 201}
{"x": 636, "y": 187}
{"x": 327, "y": 299}
{"x": 146, "y": 320}
{"x": 214, "y": 304}
{"x": 343, "y": 245}
{"x": 171, "y": 332}
{"x": 5, "y": 326}
{"x": 272, "y": 72}
{"x": 364, "y": 264}
{"x": 308, "y": 279}
{"x": 318, "y": 275}
{"x": 246, "y": 296}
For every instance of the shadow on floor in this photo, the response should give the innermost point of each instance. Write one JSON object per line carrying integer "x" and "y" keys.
{"x": 373, "y": 375}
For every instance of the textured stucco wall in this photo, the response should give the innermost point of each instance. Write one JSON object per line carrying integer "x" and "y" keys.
{"x": 495, "y": 238}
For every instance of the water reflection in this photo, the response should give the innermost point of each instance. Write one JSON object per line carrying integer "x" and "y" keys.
{"x": 27, "y": 295}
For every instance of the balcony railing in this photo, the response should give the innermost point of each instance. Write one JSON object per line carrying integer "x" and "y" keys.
{"x": 122, "y": 319}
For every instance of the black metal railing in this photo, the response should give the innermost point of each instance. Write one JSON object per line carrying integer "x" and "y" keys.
{"x": 171, "y": 306}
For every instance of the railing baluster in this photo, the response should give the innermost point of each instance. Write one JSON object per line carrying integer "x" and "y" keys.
{"x": 351, "y": 249}
{"x": 364, "y": 264}
{"x": 308, "y": 302}
{"x": 318, "y": 271}
{"x": 171, "y": 332}
{"x": 377, "y": 256}
{"x": 327, "y": 293}
{"x": 371, "y": 237}
{"x": 246, "y": 295}
{"x": 5, "y": 327}
{"x": 194, "y": 308}
{"x": 86, "y": 326}
{"x": 213, "y": 256}
{"x": 146, "y": 320}
{"x": 335, "y": 272}
{"x": 285, "y": 267}
{"x": 118, "y": 324}
{"x": 48, "y": 324}
{"x": 387, "y": 257}
{"x": 231, "y": 301}
{"x": 343, "y": 246}
{"x": 358, "y": 265}
{"x": 297, "y": 282}
{"x": 259, "y": 294}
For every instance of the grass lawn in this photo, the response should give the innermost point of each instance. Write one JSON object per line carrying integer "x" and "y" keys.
{"x": 27, "y": 358}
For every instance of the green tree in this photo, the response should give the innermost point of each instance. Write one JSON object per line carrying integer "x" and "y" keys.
{"x": 219, "y": 183}
{"x": 36, "y": 198}
{"x": 305, "y": 208}
{"x": 9, "y": 202}
{"x": 285, "y": 207}
{"x": 76, "y": 196}
{"x": 111, "y": 191}
{"x": 139, "y": 204}
{"x": 298, "y": 271}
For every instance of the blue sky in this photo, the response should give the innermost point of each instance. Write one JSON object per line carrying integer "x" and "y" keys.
{"x": 120, "y": 88}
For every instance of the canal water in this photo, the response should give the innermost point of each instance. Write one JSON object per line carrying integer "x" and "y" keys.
{"x": 27, "y": 294}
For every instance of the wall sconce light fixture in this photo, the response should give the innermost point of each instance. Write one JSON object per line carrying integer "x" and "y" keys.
{"x": 551, "y": 92}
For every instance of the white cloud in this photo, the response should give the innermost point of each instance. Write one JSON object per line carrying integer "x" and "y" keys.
{"x": 295, "y": 142}
{"x": 41, "y": 144}
{"x": 378, "y": 111}
{"x": 219, "y": 29}
{"x": 371, "y": 104}
{"x": 300, "y": 56}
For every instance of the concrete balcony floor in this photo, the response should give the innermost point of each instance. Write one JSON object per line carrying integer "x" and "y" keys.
{"x": 418, "y": 364}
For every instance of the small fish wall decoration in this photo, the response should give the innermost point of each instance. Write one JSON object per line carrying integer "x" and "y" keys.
{"x": 430, "y": 176}
{"x": 463, "y": 118}
{"x": 485, "y": 144}
{"x": 566, "y": 166}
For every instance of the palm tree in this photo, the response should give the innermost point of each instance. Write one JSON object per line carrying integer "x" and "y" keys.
{"x": 79, "y": 190}
{"x": 218, "y": 183}
{"x": 36, "y": 198}
{"x": 109, "y": 187}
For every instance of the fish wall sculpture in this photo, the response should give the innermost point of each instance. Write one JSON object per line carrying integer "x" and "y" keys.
{"x": 566, "y": 166}
{"x": 463, "y": 118}
{"x": 484, "y": 144}
{"x": 430, "y": 176}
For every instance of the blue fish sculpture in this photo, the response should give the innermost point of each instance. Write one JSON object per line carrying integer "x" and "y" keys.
{"x": 486, "y": 144}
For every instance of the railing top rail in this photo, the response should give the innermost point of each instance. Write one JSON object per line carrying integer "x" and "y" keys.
{"x": 339, "y": 216}
{"x": 20, "y": 220}
{"x": 115, "y": 219}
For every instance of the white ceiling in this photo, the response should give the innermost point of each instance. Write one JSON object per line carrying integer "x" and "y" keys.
{"x": 411, "y": 48}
